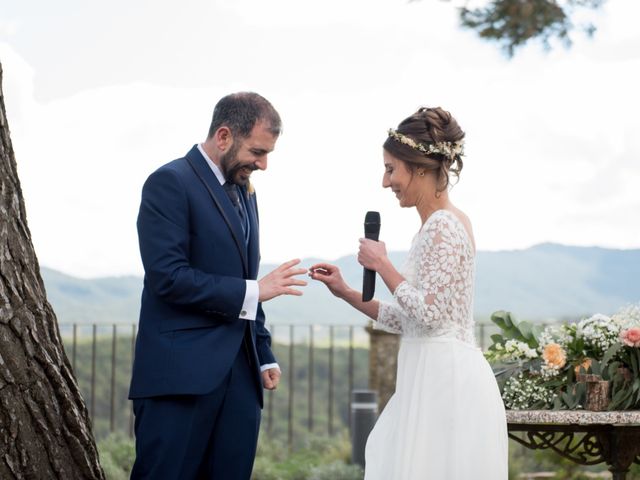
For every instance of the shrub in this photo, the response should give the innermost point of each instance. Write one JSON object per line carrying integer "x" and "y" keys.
{"x": 336, "y": 471}
{"x": 117, "y": 454}
{"x": 316, "y": 458}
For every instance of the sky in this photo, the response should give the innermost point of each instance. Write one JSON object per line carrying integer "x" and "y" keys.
{"x": 100, "y": 94}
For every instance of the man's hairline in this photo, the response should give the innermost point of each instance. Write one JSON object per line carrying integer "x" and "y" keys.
{"x": 275, "y": 132}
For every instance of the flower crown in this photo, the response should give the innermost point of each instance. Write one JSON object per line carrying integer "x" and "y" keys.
{"x": 448, "y": 149}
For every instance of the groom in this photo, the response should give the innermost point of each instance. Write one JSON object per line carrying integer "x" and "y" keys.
{"x": 203, "y": 354}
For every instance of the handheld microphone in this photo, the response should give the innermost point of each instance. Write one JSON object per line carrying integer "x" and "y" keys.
{"x": 371, "y": 231}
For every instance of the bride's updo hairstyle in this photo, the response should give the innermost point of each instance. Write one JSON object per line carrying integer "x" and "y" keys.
{"x": 432, "y": 139}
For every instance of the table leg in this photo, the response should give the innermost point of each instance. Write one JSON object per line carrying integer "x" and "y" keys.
{"x": 620, "y": 447}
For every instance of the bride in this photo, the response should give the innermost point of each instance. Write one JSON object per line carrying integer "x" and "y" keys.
{"x": 446, "y": 419}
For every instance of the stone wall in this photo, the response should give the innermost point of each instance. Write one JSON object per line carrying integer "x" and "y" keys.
{"x": 383, "y": 363}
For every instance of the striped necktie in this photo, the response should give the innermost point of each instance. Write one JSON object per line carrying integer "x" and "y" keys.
{"x": 234, "y": 196}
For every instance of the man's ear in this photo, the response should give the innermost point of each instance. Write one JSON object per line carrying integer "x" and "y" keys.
{"x": 223, "y": 138}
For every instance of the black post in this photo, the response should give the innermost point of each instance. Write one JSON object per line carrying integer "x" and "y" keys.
{"x": 330, "y": 416}
{"x": 311, "y": 367}
{"x": 75, "y": 344}
{"x": 350, "y": 370}
{"x": 93, "y": 374}
{"x": 364, "y": 412}
{"x": 291, "y": 380}
{"x": 270, "y": 394}
{"x": 112, "y": 406}
{"x": 133, "y": 350}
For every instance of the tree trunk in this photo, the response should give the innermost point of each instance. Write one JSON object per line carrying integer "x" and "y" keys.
{"x": 45, "y": 430}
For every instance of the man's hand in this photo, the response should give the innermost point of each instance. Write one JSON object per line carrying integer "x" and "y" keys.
{"x": 279, "y": 281}
{"x": 271, "y": 378}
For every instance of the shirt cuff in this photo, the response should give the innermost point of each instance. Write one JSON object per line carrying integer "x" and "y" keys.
{"x": 250, "y": 305}
{"x": 267, "y": 366}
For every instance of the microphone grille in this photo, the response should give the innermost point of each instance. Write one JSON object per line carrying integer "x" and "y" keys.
{"x": 372, "y": 223}
{"x": 372, "y": 217}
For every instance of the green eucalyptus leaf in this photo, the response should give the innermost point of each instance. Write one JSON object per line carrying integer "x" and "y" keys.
{"x": 627, "y": 404}
{"x": 509, "y": 319}
{"x": 611, "y": 351}
{"x": 567, "y": 400}
{"x": 500, "y": 323}
{"x": 537, "y": 330}
{"x": 582, "y": 370}
{"x": 581, "y": 392}
{"x": 499, "y": 318}
{"x": 619, "y": 397}
{"x": 634, "y": 365}
{"x": 526, "y": 329}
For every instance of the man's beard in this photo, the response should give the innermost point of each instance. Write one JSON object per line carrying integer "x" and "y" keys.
{"x": 231, "y": 166}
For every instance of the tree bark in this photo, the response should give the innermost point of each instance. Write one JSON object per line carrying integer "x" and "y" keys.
{"x": 45, "y": 431}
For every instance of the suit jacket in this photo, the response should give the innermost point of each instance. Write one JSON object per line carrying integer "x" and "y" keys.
{"x": 196, "y": 261}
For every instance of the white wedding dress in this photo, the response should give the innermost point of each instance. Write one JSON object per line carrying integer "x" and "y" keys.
{"x": 446, "y": 420}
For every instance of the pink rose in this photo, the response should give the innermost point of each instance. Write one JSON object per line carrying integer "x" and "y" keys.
{"x": 631, "y": 337}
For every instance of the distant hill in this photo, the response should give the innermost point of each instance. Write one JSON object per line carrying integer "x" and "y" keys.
{"x": 541, "y": 282}
{"x": 101, "y": 300}
{"x": 551, "y": 280}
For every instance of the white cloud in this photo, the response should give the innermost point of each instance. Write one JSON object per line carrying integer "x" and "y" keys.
{"x": 552, "y": 146}
{"x": 8, "y": 28}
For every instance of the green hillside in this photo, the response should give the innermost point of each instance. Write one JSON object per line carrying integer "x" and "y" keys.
{"x": 542, "y": 282}
{"x": 101, "y": 300}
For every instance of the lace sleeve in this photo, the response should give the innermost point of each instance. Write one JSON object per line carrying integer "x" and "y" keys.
{"x": 434, "y": 296}
{"x": 390, "y": 317}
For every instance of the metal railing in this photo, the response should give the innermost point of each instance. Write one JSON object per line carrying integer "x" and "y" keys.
{"x": 312, "y": 358}
{"x": 101, "y": 357}
{"x": 321, "y": 365}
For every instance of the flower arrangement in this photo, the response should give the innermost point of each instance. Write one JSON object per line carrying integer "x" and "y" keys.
{"x": 556, "y": 366}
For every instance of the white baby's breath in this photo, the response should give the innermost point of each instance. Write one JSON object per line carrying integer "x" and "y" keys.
{"x": 627, "y": 317}
{"x": 521, "y": 392}
{"x": 515, "y": 350}
{"x": 448, "y": 149}
{"x": 598, "y": 332}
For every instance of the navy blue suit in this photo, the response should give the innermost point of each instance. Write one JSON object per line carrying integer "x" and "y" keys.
{"x": 193, "y": 352}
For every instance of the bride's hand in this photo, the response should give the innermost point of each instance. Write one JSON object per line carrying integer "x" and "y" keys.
{"x": 329, "y": 275}
{"x": 372, "y": 254}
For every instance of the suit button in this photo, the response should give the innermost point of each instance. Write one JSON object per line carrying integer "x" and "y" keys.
{"x": 243, "y": 313}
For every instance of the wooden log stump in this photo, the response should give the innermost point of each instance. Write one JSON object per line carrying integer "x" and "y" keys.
{"x": 597, "y": 392}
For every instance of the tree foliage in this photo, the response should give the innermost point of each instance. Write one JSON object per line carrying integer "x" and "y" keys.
{"x": 513, "y": 23}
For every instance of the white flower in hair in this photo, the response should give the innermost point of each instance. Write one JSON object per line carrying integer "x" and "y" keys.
{"x": 448, "y": 149}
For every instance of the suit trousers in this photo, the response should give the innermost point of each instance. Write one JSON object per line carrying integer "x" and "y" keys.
{"x": 198, "y": 437}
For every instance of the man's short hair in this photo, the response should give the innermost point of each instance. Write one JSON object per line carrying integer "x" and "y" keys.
{"x": 241, "y": 111}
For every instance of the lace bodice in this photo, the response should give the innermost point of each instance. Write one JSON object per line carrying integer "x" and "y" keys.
{"x": 436, "y": 298}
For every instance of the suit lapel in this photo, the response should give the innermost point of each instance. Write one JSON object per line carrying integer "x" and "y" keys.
{"x": 221, "y": 201}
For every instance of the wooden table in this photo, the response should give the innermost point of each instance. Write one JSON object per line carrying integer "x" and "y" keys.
{"x": 585, "y": 437}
